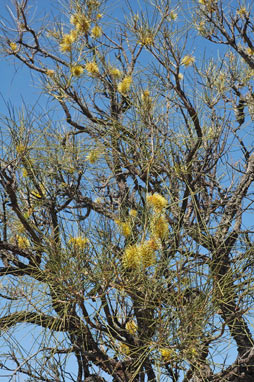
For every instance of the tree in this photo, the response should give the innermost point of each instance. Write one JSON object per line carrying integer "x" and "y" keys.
{"x": 126, "y": 228}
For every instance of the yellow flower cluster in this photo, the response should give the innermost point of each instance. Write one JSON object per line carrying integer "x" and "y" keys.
{"x": 157, "y": 201}
{"x": 167, "y": 354}
{"x": 81, "y": 22}
{"x": 159, "y": 227}
{"x": 93, "y": 156}
{"x": 133, "y": 213}
{"x": 50, "y": 72}
{"x": 142, "y": 255}
{"x": 146, "y": 38}
{"x": 79, "y": 242}
{"x": 77, "y": 70}
{"x": 13, "y": 46}
{"x": 96, "y": 32}
{"x": 92, "y": 68}
{"x": 124, "y": 349}
{"x": 124, "y": 86}
{"x": 242, "y": 12}
{"x": 173, "y": 15}
{"x": 116, "y": 73}
{"x": 131, "y": 327}
{"x": 125, "y": 227}
{"x": 23, "y": 242}
{"x": 68, "y": 40}
{"x": 21, "y": 149}
{"x": 188, "y": 60}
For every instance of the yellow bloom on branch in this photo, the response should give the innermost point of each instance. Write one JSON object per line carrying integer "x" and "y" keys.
{"x": 131, "y": 327}
{"x": 167, "y": 354}
{"x": 77, "y": 70}
{"x": 125, "y": 227}
{"x": 115, "y": 72}
{"x": 92, "y": 67}
{"x": 81, "y": 22}
{"x": 79, "y": 242}
{"x": 157, "y": 201}
{"x": 23, "y": 242}
{"x": 93, "y": 156}
{"x": 96, "y": 32}
{"x": 131, "y": 257}
{"x": 124, "y": 349}
{"x": 133, "y": 213}
{"x": 124, "y": 86}
{"x": 159, "y": 227}
{"x": 188, "y": 60}
{"x": 147, "y": 254}
{"x": 50, "y": 72}
{"x": 13, "y": 46}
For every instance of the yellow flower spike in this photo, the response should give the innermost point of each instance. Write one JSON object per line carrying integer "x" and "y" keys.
{"x": 116, "y": 73}
{"x": 167, "y": 354}
{"x": 242, "y": 12}
{"x": 125, "y": 228}
{"x": 131, "y": 327}
{"x": 99, "y": 16}
{"x": 77, "y": 70}
{"x": 159, "y": 227}
{"x": 188, "y": 60}
{"x": 93, "y": 156}
{"x": 157, "y": 201}
{"x": 21, "y": 149}
{"x": 13, "y": 46}
{"x": 50, "y": 72}
{"x": 173, "y": 15}
{"x": 25, "y": 173}
{"x": 83, "y": 24}
{"x": 124, "y": 86}
{"x": 79, "y": 242}
{"x": 65, "y": 47}
{"x": 73, "y": 35}
{"x": 23, "y": 242}
{"x": 96, "y": 32}
{"x": 124, "y": 349}
{"x": 131, "y": 257}
{"x": 147, "y": 254}
{"x": 133, "y": 213}
{"x": 92, "y": 68}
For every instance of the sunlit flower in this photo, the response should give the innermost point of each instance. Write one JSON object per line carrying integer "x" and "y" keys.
{"x": 81, "y": 23}
{"x": 146, "y": 38}
{"x": 242, "y": 12}
{"x": 147, "y": 254}
{"x": 125, "y": 227}
{"x": 115, "y": 72}
{"x": 159, "y": 227}
{"x": 157, "y": 201}
{"x": 50, "y": 72}
{"x": 13, "y": 46}
{"x": 77, "y": 70}
{"x": 124, "y": 349}
{"x": 23, "y": 242}
{"x": 21, "y": 149}
{"x": 24, "y": 173}
{"x": 250, "y": 51}
{"x": 79, "y": 242}
{"x": 36, "y": 194}
{"x": 93, "y": 156}
{"x": 73, "y": 35}
{"x": 180, "y": 76}
{"x": 173, "y": 15}
{"x": 96, "y": 32}
{"x": 64, "y": 47}
{"x": 99, "y": 16}
{"x": 92, "y": 67}
{"x": 131, "y": 257}
{"x": 133, "y": 213}
{"x": 167, "y": 354}
{"x": 188, "y": 60}
{"x": 131, "y": 327}
{"x": 124, "y": 86}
